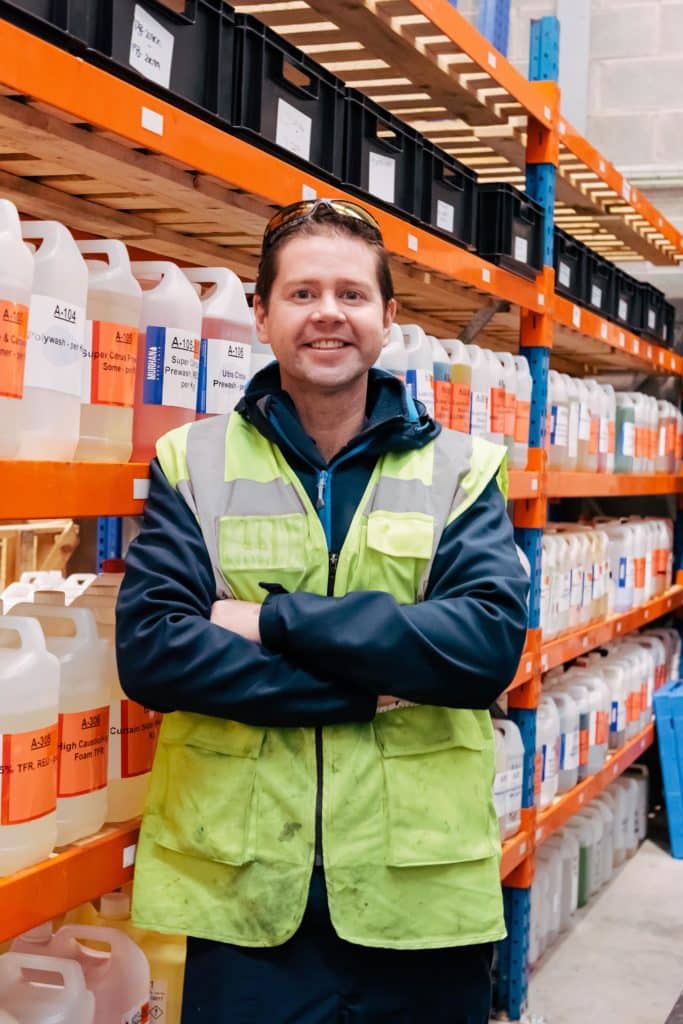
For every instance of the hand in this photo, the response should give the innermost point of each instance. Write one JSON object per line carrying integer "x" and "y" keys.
{"x": 241, "y": 617}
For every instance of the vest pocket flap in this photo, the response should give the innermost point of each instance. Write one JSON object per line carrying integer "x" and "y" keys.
{"x": 218, "y": 735}
{"x": 401, "y": 534}
{"x": 263, "y": 541}
{"x": 425, "y": 729}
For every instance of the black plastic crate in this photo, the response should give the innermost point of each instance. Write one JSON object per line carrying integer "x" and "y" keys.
{"x": 669, "y": 325}
{"x": 174, "y": 53}
{"x": 285, "y": 100}
{"x": 449, "y": 196}
{"x": 626, "y": 300}
{"x": 510, "y": 228}
{"x": 383, "y": 157}
{"x": 599, "y": 294}
{"x": 652, "y": 303}
{"x": 71, "y": 24}
{"x": 569, "y": 258}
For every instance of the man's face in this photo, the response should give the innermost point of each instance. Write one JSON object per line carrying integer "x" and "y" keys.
{"x": 325, "y": 321}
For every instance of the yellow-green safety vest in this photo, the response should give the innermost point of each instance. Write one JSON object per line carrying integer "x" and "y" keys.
{"x": 409, "y": 831}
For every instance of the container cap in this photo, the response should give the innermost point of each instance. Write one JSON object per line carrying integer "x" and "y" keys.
{"x": 115, "y": 906}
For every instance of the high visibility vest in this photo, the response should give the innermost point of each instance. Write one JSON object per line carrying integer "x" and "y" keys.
{"x": 409, "y": 831}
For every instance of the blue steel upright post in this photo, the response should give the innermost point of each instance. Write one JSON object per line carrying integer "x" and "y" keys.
{"x": 109, "y": 539}
{"x": 530, "y": 517}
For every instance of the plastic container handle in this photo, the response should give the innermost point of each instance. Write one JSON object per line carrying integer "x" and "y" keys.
{"x": 70, "y": 971}
{"x": 154, "y": 270}
{"x": 112, "y": 248}
{"x": 308, "y": 91}
{"x": 186, "y": 17}
{"x": 27, "y": 629}
{"x": 83, "y": 619}
{"x": 117, "y": 941}
{"x": 9, "y": 218}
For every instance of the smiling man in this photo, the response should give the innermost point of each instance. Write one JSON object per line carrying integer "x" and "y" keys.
{"x": 325, "y": 598}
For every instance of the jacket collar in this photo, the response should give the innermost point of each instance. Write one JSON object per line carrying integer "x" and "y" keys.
{"x": 390, "y": 423}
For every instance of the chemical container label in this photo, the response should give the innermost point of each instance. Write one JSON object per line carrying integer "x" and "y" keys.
{"x": 224, "y": 369}
{"x": 13, "y": 331}
{"x": 559, "y": 426}
{"x": 622, "y": 574}
{"x": 549, "y": 752}
{"x": 158, "y": 1000}
{"x": 497, "y": 410}
{"x": 110, "y": 355}
{"x": 293, "y": 130}
{"x": 611, "y": 436}
{"x": 151, "y": 48}
{"x": 623, "y": 309}
{"x": 510, "y": 410}
{"x": 28, "y": 775}
{"x": 633, "y": 706}
{"x": 577, "y": 588}
{"x": 538, "y": 772}
{"x": 573, "y": 431}
{"x": 420, "y": 386}
{"x": 584, "y": 422}
{"x": 171, "y": 367}
{"x": 601, "y": 727}
{"x": 133, "y": 735}
{"x": 382, "y": 176}
{"x": 596, "y": 296}
{"x": 479, "y": 414}
{"x": 594, "y": 438}
{"x": 442, "y": 401}
{"x": 639, "y": 573}
{"x": 564, "y": 274}
{"x": 520, "y": 249}
{"x": 460, "y": 409}
{"x": 522, "y": 416}
{"x": 569, "y": 750}
{"x": 627, "y": 439}
{"x": 54, "y": 348}
{"x": 618, "y": 716}
{"x": 139, "y": 1014}
{"x": 83, "y": 751}
{"x": 501, "y": 786}
{"x": 445, "y": 216}
{"x": 603, "y": 440}
{"x": 584, "y": 727}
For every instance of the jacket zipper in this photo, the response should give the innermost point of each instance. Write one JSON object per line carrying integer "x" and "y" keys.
{"x": 331, "y": 575}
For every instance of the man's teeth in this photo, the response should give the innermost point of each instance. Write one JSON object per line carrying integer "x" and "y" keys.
{"x": 328, "y": 343}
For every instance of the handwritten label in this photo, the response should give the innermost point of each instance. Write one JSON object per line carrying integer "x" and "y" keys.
{"x": 151, "y": 48}
{"x": 293, "y": 130}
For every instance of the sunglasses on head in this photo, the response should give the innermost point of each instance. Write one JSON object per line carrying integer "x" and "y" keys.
{"x": 297, "y": 213}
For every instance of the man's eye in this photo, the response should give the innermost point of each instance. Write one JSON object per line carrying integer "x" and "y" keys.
{"x": 352, "y": 295}
{"x": 302, "y": 293}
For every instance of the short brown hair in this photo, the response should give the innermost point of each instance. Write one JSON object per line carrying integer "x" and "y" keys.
{"x": 324, "y": 220}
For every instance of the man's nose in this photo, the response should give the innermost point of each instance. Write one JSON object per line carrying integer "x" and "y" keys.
{"x": 328, "y": 308}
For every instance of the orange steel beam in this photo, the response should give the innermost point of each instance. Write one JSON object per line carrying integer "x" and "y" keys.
{"x": 583, "y": 485}
{"x": 52, "y": 76}
{"x": 65, "y": 880}
{"x": 565, "y": 807}
{"x": 516, "y": 851}
{"x": 36, "y": 490}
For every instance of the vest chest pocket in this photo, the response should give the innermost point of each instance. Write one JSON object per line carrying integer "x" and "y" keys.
{"x": 210, "y": 770}
{"x": 254, "y": 549}
{"x": 398, "y": 547}
{"x": 438, "y": 774}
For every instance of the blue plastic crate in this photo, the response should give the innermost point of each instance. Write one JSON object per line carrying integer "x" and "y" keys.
{"x": 669, "y": 712}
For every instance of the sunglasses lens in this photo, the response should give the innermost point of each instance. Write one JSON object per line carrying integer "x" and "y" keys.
{"x": 304, "y": 209}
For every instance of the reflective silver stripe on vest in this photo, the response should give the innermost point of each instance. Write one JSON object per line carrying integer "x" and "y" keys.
{"x": 452, "y": 461}
{"x": 211, "y": 497}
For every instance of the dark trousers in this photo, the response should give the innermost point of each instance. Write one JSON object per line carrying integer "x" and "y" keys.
{"x": 317, "y": 978}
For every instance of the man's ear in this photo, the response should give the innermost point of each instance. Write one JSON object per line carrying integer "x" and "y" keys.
{"x": 261, "y": 319}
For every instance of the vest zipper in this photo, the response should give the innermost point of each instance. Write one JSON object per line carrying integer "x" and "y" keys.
{"x": 333, "y": 561}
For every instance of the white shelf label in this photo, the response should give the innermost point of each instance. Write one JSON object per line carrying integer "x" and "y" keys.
{"x": 308, "y": 192}
{"x": 152, "y": 121}
{"x": 603, "y": 331}
{"x": 576, "y": 316}
{"x": 129, "y": 855}
{"x": 151, "y": 48}
{"x": 412, "y": 243}
{"x": 492, "y": 59}
{"x": 521, "y": 249}
{"x": 382, "y": 177}
{"x": 486, "y": 276}
{"x": 565, "y": 274}
{"x": 293, "y": 130}
{"x": 140, "y": 489}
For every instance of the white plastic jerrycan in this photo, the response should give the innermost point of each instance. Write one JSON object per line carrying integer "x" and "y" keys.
{"x": 16, "y": 282}
{"x": 119, "y": 979}
{"x": 44, "y": 990}
{"x": 225, "y": 355}
{"x": 419, "y": 375}
{"x": 557, "y": 421}
{"x": 497, "y": 398}
{"x": 393, "y": 358}
{"x": 111, "y": 353}
{"x": 168, "y": 367}
{"x": 480, "y": 397}
{"x": 514, "y": 761}
{"x": 71, "y": 635}
{"x": 461, "y": 384}
{"x": 51, "y": 406}
{"x": 547, "y": 751}
{"x": 29, "y": 699}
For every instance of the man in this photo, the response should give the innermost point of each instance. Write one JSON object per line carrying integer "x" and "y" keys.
{"x": 325, "y": 598}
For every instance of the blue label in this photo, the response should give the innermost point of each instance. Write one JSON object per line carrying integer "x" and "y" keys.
{"x": 201, "y": 382}
{"x": 622, "y": 573}
{"x": 411, "y": 383}
{"x": 155, "y": 344}
{"x": 614, "y": 717}
{"x": 544, "y": 754}
{"x": 553, "y": 423}
{"x": 563, "y": 745}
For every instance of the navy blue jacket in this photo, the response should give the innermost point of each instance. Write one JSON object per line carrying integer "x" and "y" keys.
{"x": 323, "y": 660}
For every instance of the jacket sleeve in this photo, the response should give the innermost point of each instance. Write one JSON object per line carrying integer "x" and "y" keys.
{"x": 460, "y": 647}
{"x": 171, "y": 657}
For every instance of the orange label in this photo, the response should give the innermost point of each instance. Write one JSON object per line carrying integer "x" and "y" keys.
{"x": 497, "y": 410}
{"x": 611, "y": 437}
{"x": 510, "y": 410}
{"x": 442, "y": 401}
{"x": 601, "y": 727}
{"x": 670, "y": 438}
{"x": 644, "y": 694}
{"x": 28, "y": 775}
{"x": 538, "y": 772}
{"x": 583, "y": 746}
{"x": 139, "y": 733}
{"x": 522, "y": 415}
{"x": 114, "y": 359}
{"x": 633, "y": 706}
{"x": 639, "y": 573}
{"x": 83, "y": 748}
{"x": 594, "y": 438}
{"x": 13, "y": 327}
{"x": 460, "y": 408}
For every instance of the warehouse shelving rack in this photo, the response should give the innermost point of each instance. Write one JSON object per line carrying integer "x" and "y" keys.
{"x": 107, "y": 158}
